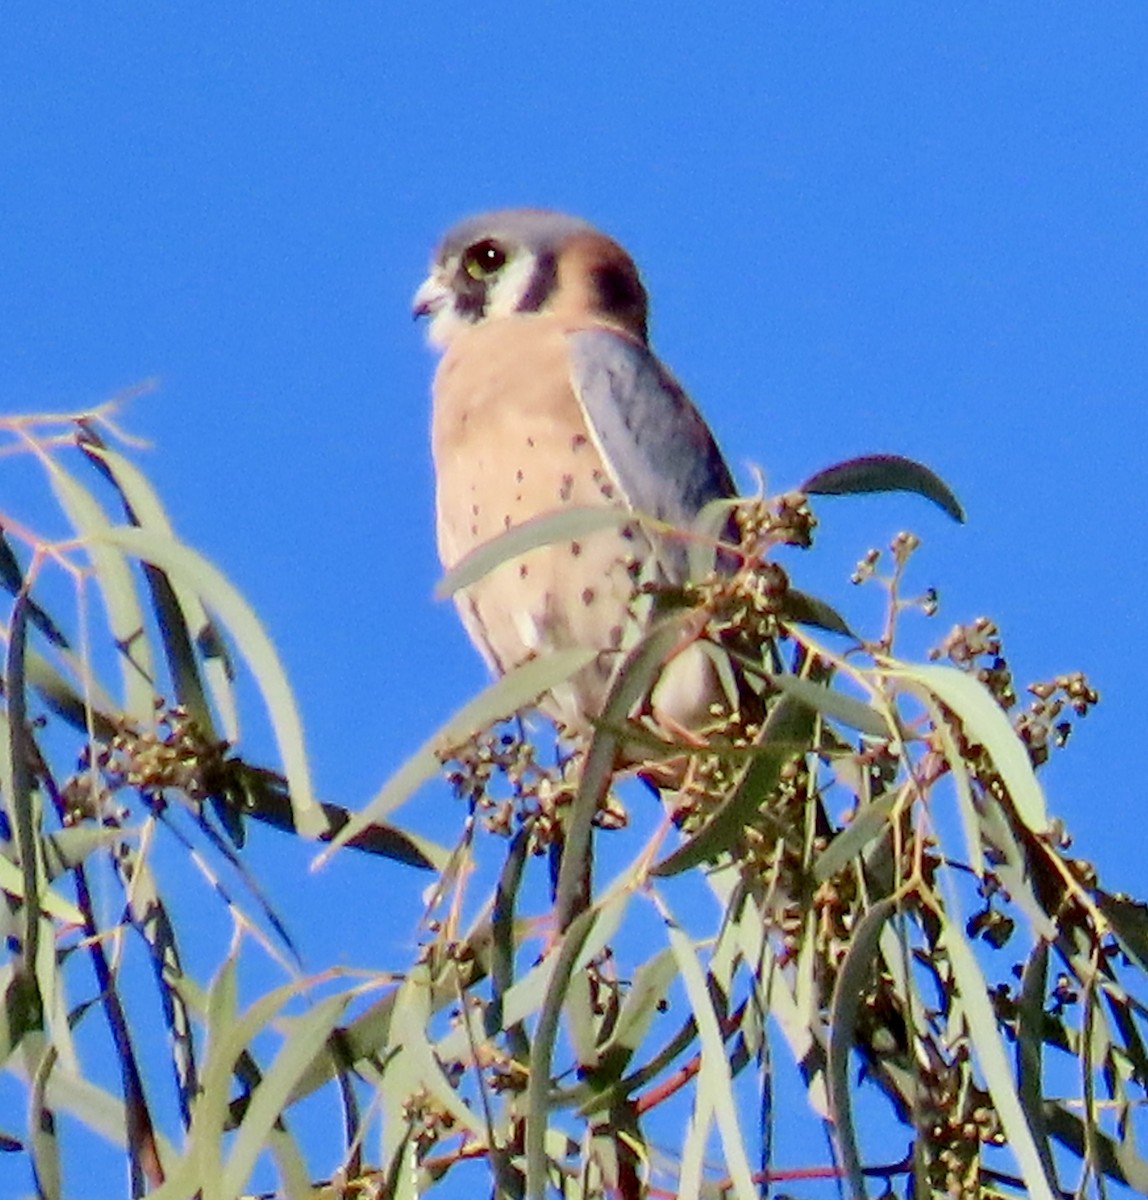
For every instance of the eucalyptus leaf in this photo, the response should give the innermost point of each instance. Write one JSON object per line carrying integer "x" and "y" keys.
{"x": 884, "y": 473}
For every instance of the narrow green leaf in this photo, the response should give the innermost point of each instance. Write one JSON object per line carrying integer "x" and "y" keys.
{"x": 572, "y": 952}
{"x": 183, "y": 621}
{"x": 562, "y": 525}
{"x": 985, "y": 723}
{"x": 884, "y": 473}
{"x": 870, "y": 823}
{"x": 42, "y": 1139}
{"x": 415, "y": 1063}
{"x": 65, "y": 849}
{"x": 1030, "y": 1052}
{"x": 633, "y": 680}
{"x": 804, "y": 609}
{"x": 715, "y": 1083}
{"x": 845, "y": 709}
{"x": 305, "y": 1036}
{"x": 211, "y": 1106}
{"x": 118, "y": 588}
{"x": 504, "y": 944}
{"x": 219, "y": 595}
{"x": 515, "y": 690}
{"x": 709, "y": 528}
{"x": 94, "y": 707}
{"x": 262, "y": 795}
{"x": 12, "y": 580}
{"x": 959, "y": 773}
{"x": 990, "y": 1054}
{"x": 786, "y": 732}
{"x": 853, "y": 977}
{"x": 650, "y": 985}
{"x": 18, "y": 785}
{"x": 51, "y": 903}
{"x": 1129, "y": 921}
{"x": 1117, "y": 1159}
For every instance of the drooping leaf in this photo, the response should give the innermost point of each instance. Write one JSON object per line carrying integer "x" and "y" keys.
{"x": 564, "y": 524}
{"x": 219, "y": 595}
{"x": 263, "y": 795}
{"x": 805, "y": 609}
{"x": 715, "y": 1084}
{"x": 634, "y": 679}
{"x": 515, "y": 690}
{"x": 833, "y": 703}
{"x": 786, "y": 733}
{"x": 884, "y": 473}
{"x": 12, "y": 580}
{"x": 869, "y": 823}
{"x": 117, "y": 587}
{"x": 852, "y": 979}
{"x": 984, "y": 722}
{"x": 990, "y": 1053}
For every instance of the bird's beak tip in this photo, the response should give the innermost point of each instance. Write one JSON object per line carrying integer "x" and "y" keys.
{"x": 428, "y": 299}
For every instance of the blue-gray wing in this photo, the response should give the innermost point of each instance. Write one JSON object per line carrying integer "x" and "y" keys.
{"x": 655, "y": 444}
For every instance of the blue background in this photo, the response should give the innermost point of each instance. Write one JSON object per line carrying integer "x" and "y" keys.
{"x": 870, "y": 227}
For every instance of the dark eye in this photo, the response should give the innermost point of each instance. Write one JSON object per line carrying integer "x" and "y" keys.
{"x": 483, "y": 259}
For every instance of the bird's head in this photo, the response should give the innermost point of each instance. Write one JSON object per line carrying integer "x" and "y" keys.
{"x": 527, "y": 260}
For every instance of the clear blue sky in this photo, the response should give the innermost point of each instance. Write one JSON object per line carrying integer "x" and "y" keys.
{"x": 868, "y": 227}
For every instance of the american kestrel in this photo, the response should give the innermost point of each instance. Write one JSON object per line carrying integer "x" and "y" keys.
{"x": 548, "y": 395}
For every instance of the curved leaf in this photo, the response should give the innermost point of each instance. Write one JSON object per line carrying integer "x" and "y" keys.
{"x": 218, "y": 594}
{"x": 837, "y": 705}
{"x": 986, "y": 723}
{"x": 571, "y": 953}
{"x": 515, "y": 690}
{"x": 884, "y": 473}
{"x": 804, "y": 609}
{"x": 986, "y": 1041}
{"x": 558, "y": 526}
{"x": 786, "y": 733}
{"x": 117, "y": 586}
{"x": 632, "y": 681}
{"x": 183, "y": 621}
{"x": 853, "y": 975}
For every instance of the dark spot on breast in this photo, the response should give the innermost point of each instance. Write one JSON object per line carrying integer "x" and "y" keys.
{"x": 506, "y": 521}
{"x": 615, "y": 636}
{"x": 575, "y": 548}
{"x": 474, "y": 510}
{"x": 567, "y": 488}
{"x": 627, "y": 531}
{"x": 523, "y": 570}
{"x": 530, "y": 442}
{"x": 578, "y": 441}
{"x": 633, "y": 569}
{"x": 474, "y": 531}
{"x": 588, "y": 596}
{"x": 518, "y": 476}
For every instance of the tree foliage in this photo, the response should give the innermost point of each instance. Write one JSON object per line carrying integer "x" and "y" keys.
{"x": 855, "y": 862}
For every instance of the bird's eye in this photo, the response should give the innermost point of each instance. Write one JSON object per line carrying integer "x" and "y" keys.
{"x": 483, "y": 259}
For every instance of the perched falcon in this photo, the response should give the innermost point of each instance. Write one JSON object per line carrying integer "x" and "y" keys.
{"x": 548, "y": 395}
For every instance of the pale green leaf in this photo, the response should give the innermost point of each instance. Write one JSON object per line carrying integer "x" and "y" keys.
{"x": 562, "y": 525}
{"x": 220, "y": 596}
{"x": 515, "y": 690}
{"x": 984, "y": 722}
{"x": 994, "y": 1063}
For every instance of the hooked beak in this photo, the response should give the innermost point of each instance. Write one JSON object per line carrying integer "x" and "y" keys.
{"x": 430, "y": 297}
